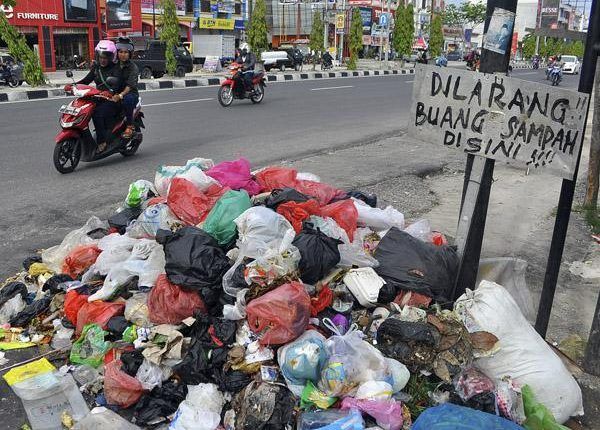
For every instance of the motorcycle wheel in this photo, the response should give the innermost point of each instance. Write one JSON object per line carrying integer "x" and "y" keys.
{"x": 225, "y": 96}
{"x": 259, "y": 94}
{"x": 132, "y": 146}
{"x": 12, "y": 82}
{"x": 66, "y": 155}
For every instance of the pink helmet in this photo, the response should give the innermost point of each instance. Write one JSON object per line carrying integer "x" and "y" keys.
{"x": 106, "y": 48}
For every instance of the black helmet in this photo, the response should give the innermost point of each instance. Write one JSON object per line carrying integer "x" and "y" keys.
{"x": 124, "y": 44}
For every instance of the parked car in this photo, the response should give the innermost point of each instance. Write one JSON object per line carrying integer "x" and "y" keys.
{"x": 571, "y": 64}
{"x": 454, "y": 56}
{"x": 152, "y": 62}
{"x": 280, "y": 60}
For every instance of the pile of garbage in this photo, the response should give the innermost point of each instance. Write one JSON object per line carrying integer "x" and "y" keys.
{"x": 220, "y": 298}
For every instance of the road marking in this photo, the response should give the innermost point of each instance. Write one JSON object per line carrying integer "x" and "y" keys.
{"x": 408, "y": 82}
{"x": 526, "y": 73}
{"x": 177, "y": 102}
{"x": 332, "y": 88}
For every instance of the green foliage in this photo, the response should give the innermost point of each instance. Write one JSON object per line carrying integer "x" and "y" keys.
{"x": 528, "y": 46}
{"x": 17, "y": 46}
{"x": 452, "y": 16}
{"x": 473, "y": 13}
{"x": 317, "y": 40}
{"x": 578, "y": 48}
{"x": 402, "y": 37}
{"x": 169, "y": 32}
{"x": 355, "y": 39}
{"x": 436, "y": 36}
{"x": 257, "y": 28}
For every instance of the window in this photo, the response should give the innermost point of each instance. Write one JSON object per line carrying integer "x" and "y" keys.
{"x": 189, "y": 6}
{"x": 238, "y": 9}
{"x": 205, "y": 5}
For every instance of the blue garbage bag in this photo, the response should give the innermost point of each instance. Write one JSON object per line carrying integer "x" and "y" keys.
{"x": 453, "y": 417}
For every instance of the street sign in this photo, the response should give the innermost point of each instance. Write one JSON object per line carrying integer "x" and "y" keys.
{"x": 340, "y": 23}
{"x": 384, "y": 19}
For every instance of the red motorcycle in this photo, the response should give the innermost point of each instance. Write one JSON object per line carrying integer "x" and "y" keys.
{"x": 75, "y": 142}
{"x": 235, "y": 88}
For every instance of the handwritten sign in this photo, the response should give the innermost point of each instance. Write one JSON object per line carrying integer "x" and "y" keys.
{"x": 507, "y": 119}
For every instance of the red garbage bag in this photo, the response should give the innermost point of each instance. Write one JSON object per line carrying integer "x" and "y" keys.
{"x": 275, "y": 177}
{"x": 321, "y": 301}
{"x": 73, "y": 302}
{"x": 119, "y": 388}
{"x": 236, "y": 175}
{"x": 170, "y": 304}
{"x": 189, "y": 203}
{"x": 324, "y": 193}
{"x": 282, "y": 314}
{"x": 344, "y": 213}
{"x": 297, "y": 212}
{"x": 80, "y": 259}
{"x": 98, "y": 312}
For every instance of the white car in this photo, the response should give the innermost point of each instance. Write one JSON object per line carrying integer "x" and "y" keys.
{"x": 571, "y": 64}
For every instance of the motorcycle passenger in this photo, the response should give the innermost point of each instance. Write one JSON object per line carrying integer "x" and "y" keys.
{"x": 128, "y": 93}
{"x": 248, "y": 60}
{"x": 102, "y": 69}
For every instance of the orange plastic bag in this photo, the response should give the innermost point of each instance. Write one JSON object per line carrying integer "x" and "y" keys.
{"x": 73, "y": 302}
{"x": 297, "y": 212}
{"x": 189, "y": 203}
{"x": 282, "y": 314}
{"x": 80, "y": 259}
{"x": 98, "y": 312}
{"x": 323, "y": 193}
{"x": 344, "y": 213}
{"x": 170, "y": 304}
{"x": 119, "y": 388}
{"x": 275, "y": 177}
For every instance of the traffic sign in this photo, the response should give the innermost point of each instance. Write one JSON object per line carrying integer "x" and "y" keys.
{"x": 384, "y": 19}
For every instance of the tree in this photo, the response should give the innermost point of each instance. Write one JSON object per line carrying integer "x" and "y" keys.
{"x": 169, "y": 33}
{"x": 453, "y": 16}
{"x": 17, "y": 45}
{"x": 591, "y": 194}
{"x": 257, "y": 29}
{"x": 474, "y": 13}
{"x": 436, "y": 36}
{"x": 578, "y": 48}
{"x": 355, "y": 38}
{"x": 528, "y": 46}
{"x": 317, "y": 40}
{"x": 402, "y": 37}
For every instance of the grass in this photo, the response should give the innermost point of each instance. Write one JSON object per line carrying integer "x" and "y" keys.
{"x": 591, "y": 215}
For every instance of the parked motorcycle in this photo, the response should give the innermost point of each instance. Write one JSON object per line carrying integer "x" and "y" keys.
{"x": 234, "y": 87}
{"x": 326, "y": 61}
{"x": 75, "y": 142}
{"x": 556, "y": 75}
{"x": 12, "y": 74}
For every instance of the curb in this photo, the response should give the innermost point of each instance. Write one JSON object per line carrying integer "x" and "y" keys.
{"x": 206, "y": 82}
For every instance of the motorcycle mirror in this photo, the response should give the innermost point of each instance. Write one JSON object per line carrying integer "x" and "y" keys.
{"x": 69, "y": 74}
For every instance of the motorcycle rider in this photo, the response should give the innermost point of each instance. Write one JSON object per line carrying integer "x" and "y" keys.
{"x": 248, "y": 61}
{"x": 128, "y": 93}
{"x": 103, "y": 68}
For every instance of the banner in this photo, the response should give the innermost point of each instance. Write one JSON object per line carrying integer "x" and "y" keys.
{"x": 147, "y": 6}
{"x": 81, "y": 10}
{"x": 549, "y": 13}
{"x": 367, "y": 19}
{"x": 216, "y": 23}
{"x": 226, "y": 6}
{"x": 118, "y": 14}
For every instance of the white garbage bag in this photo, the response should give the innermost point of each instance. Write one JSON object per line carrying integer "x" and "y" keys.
{"x": 201, "y": 409}
{"x": 376, "y": 218}
{"x": 193, "y": 171}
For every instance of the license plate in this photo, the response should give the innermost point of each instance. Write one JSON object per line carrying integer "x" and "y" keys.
{"x": 68, "y": 110}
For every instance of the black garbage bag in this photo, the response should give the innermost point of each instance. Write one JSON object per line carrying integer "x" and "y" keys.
{"x": 195, "y": 368}
{"x": 264, "y": 406}
{"x": 132, "y": 360}
{"x": 30, "y": 312}
{"x": 10, "y": 290}
{"x": 117, "y": 325}
{"x": 193, "y": 258}
{"x": 54, "y": 284}
{"x": 160, "y": 402}
{"x": 282, "y": 195}
{"x": 214, "y": 331}
{"x": 30, "y": 260}
{"x": 233, "y": 381}
{"x": 407, "y": 263}
{"x": 120, "y": 220}
{"x": 319, "y": 253}
{"x": 485, "y": 402}
{"x": 368, "y": 198}
{"x": 97, "y": 233}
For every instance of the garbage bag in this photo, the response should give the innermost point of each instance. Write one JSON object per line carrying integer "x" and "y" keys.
{"x": 80, "y": 259}
{"x": 91, "y": 347}
{"x": 406, "y": 263}
{"x": 201, "y": 409}
{"x": 323, "y": 193}
{"x": 131, "y": 361}
{"x": 122, "y": 218}
{"x": 101, "y": 418}
{"x": 345, "y": 215}
{"x": 387, "y": 413}
{"x": 31, "y": 311}
{"x": 311, "y": 397}
{"x": 491, "y": 308}
{"x": 235, "y": 175}
{"x": 195, "y": 368}
{"x": 57, "y": 283}
{"x": 120, "y": 389}
{"x": 259, "y": 224}
{"x": 189, "y": 203}
{"x": 282, "y": 314}
{"x": 376, "y": 218}
{"x": 140, "y": 191}
{"x": 265, "y": 407}
{"x": 98, "y": 312}
{"x": 302, "y": 360}
{"x": 471, "y": 382}
{"x": 193, "y": 258}
{"x": 220, "y": 221}
{"x": 368, "y": 198}
{"x": 275, "y": 177}
{"x": 117, "y": 325}
{"x": 170, "y": 304}
{"x": 284, "y": 195}
{"x": 296, "y": 213}
{"x": 30, "y": 260}
{"x": 74, "y": 301}
{"x": 11, "y": 308}
{"x": 538, "y": 416}
{"x": 420, "y": 229}
{"x": 10, "y": 290}
{"x": 160, "y": 402}
{"x": 151, "y": 375}
{"x": 53, "y": 257}
{"x": 449, "y": 416}
{"x": 154, "y": 218}
{"x": 115, "y": 249}
{"x": 319, "y": 254}
{"x": 136, "y": 309}
{"x": 192, "y": 171}
{"x": 333, "y": 419}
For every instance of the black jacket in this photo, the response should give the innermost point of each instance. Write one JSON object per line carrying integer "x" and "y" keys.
{"x": 249, "y": 62}
{"x": 129, "y": 76}
{"x": 99, "y": 75}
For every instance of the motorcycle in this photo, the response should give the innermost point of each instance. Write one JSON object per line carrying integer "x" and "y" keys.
{"x": 13, "y": 75}
{"x": 75, "y": 142}
{"x": 234, "y": 87}
{"x": 536, "y": 63}
{"x": 556, "y": 75}
{"x": 549, "y": 70}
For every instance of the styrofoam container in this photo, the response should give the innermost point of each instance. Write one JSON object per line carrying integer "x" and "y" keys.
{"x": 364, "y": 284}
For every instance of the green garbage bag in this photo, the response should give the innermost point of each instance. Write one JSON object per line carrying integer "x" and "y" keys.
{"x": 139, "y": 191}
{"x": 538, "y": 415}
{"x": 312, "y": 396}
{"x": 91, "y": 347}
{"x": 219, "y": 222}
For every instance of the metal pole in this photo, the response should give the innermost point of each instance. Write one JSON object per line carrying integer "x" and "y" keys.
{"x": 153, "y": 20}
{"x": 325, "y": 26}
{"x": 344, "y": 33}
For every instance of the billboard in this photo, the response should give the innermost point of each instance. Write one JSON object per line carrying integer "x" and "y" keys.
{"x": 226, "y": 6}
{"x": 147, "y": 6}
{"x": 118, "y": 14}
{"x": 549, "y": 13}
{"x": 81, "y": 10}
{"x": 367, "y": 19}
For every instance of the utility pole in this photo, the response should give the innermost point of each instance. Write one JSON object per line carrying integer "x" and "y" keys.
{"x": 153, "y": 20}
{"x": 325, "y": 26}
{"x": 344, "y": 33}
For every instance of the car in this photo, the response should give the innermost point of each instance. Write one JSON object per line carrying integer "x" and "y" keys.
{"x": 280, "y": 60}
{"x": 571, "y": 64}
{"x": 152, "y": 62}
{"x": 454, "y": 56}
